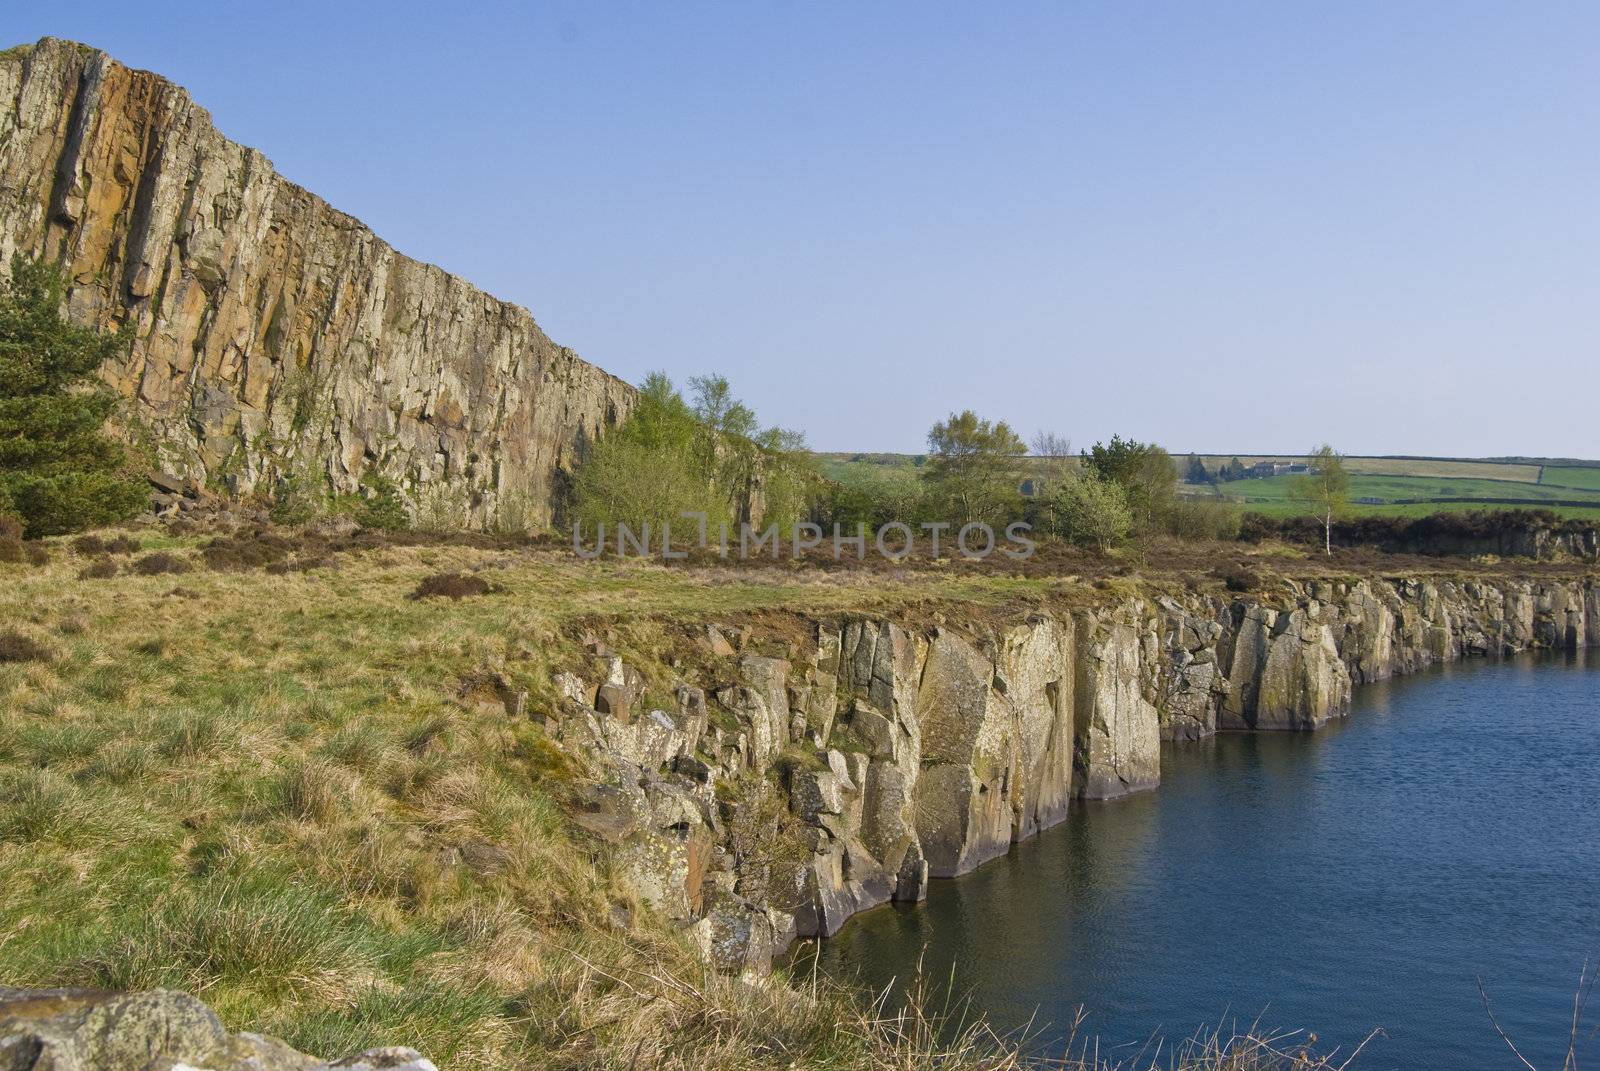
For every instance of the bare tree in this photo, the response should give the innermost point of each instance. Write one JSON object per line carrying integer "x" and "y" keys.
{"x": 1324, "y": 490}
{"x": 1050, "y": 444}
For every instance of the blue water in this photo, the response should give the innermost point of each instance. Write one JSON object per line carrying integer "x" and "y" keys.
{"x": 1334, "y": 882}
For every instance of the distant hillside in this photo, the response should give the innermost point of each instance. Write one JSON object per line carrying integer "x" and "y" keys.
{"x": 1382, "y": 485}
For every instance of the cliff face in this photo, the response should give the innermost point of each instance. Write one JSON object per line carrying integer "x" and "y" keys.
{"x": 273, "y": 333}
{"x": 903, "y": 754}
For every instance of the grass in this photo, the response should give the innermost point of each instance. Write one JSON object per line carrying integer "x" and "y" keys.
{"x": 1434, "y": 467}
{"x": 1413, "y": 495}
{"x": 251, "y": 786}
{"x": 1565, "y": 476}
{"x": 228, "y": 794}
{"x": 256, "y": 787}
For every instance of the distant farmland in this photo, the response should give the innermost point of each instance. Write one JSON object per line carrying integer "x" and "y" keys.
{"x": 1395, "y": 486}
{"x": 1448, "y": 467}
{"x": 1571, "y": 476}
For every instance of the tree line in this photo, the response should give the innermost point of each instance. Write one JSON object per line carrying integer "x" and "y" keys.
{"x": 703, "y": 453}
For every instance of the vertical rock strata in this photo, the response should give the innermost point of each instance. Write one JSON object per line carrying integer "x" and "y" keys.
{"x": 273, "y": 334}
{"x": 905, "y": 754}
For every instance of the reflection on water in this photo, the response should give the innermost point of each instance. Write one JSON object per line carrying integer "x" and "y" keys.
{"x": 1357, "y": 877}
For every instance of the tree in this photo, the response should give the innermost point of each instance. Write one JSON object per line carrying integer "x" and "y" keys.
{"x": 670, "y": 457}
{"x": 1197, "y": 471}
{"x": 649, "y": 470}
{"x": 789, "y": 478}
{"x": 718, "y": 409}
{"x": 1144, "y": 470}
{"x": 1093, "y": 511}
{"x": 1324, "y": 490}
{"x": 874, "y": 495}
{"x": 1051, "y": 445}
{"x": 973, "y": 467}
{"x": 59, "y": 472}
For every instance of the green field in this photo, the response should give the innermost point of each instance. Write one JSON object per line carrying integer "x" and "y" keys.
{"x": 1273, "y": 494}
{"x": 1520, "y": 470}
{"x": 1571, "y": 476}
{"x": 1404, "y": 486}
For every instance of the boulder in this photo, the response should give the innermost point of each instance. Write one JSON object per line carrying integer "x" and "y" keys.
{"x": 96, "y": 1030}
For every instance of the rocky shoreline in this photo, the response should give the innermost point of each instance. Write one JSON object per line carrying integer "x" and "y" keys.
{"x": 896, "y": 753}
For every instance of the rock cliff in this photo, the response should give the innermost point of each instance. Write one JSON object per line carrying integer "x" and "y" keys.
{"x": 271, "y": 333}
{"x": 897, "y": 754}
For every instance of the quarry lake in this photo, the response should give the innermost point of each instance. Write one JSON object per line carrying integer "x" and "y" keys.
{"x": 1359, "y": 877}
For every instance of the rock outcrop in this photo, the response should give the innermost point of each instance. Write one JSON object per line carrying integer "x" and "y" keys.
{"x": 94, "y": 1030}
{"x": 897, "y": 755}
{"x": 272, "y": 334}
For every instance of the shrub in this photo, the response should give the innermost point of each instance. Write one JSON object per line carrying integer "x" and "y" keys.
{"x": 451, "y": 586}
{"x": 89, "y": 545}
{"x": 1240, "y": 578}
{"x": 123, "y": 545}
{"x": 299, "y": 497}
{"x": 1201, "y": 519}
{"x": 381, "y": 505}
{"x": 58, "y": 471}
{"x": 244, "y": 552}
{"x": 100, "y": 569}
{"x": 670, "y": 457}
{"x": 1093, "y": 512}
{"x": 36, "y": 553}
{"x": 158, "y": 563}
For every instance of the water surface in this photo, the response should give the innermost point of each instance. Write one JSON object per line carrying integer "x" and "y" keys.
{"x": 1338, "y": 881}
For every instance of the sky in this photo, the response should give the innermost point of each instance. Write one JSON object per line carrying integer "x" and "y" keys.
{"x": 1223, "y": 227}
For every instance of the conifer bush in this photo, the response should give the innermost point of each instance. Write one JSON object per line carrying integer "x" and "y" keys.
{"x": 59, "y": 472}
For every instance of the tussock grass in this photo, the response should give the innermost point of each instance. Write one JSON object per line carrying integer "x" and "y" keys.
{"x": 15, "y": 647}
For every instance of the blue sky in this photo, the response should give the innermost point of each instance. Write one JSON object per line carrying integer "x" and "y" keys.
{"x": 1220, "y": 226}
